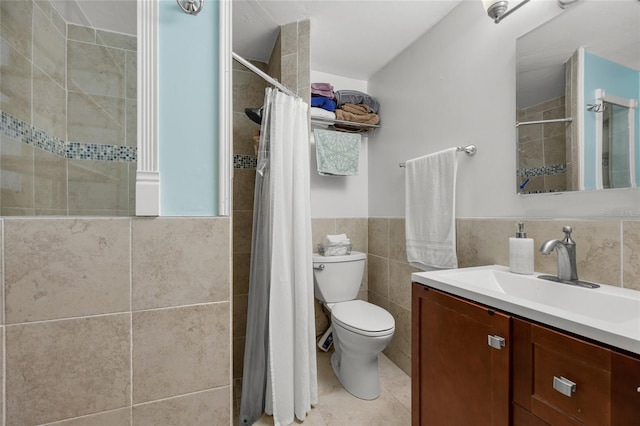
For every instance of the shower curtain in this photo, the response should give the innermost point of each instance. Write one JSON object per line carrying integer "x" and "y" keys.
{"x": 279, "y": 375}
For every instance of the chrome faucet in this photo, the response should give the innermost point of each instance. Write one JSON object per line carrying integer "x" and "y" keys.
{"x": 566, "y": 248}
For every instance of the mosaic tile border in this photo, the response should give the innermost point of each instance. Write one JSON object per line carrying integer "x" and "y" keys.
{"x": 244, "y": 161}
{"x": 554, "y": 169}
{"x": 95, "y": 151}
{"x": 22, "y": 131}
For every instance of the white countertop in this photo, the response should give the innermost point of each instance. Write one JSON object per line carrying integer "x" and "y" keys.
{"x": 608, "y": 314}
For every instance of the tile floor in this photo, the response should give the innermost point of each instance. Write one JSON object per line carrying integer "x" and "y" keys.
{"x": 337, "y": 407}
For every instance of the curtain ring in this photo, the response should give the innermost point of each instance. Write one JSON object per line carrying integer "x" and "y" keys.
{"x": 190, "y": 6}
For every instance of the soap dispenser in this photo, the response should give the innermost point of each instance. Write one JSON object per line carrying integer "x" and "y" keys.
{"x": 521, "y": 252}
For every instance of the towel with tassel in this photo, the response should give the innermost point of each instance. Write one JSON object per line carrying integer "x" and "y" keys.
{"x": 337, "y": 153}
{"x": 430, "y": 194}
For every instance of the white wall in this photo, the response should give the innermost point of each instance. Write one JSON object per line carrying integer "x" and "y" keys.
{"x": 340, "y": 196}
{"x": 456, "y": 86}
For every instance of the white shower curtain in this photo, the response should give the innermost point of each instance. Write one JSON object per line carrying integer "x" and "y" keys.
{"x": 284, "y": 267}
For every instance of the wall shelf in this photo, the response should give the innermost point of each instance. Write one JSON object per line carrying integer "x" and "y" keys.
{"x": 331, "y": 122}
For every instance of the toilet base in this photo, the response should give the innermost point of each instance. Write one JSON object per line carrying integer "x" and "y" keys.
{"x": 359, "y": 375}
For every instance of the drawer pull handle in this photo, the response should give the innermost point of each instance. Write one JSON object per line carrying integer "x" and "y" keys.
{"x": 496, "y": 342}
{"x": 564, "y": 385}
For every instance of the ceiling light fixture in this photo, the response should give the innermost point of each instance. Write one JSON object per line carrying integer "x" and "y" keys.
{"x": 499, "y": 9}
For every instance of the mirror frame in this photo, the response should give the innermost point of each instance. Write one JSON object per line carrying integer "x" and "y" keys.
{"x": 147, "y": 173}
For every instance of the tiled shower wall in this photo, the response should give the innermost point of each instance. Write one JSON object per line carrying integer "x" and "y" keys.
{"x": 542, "y": 148}
{"x": 116, "y": 321}
{"x": 68, "y": 128}
{"x": 608, "y": 252}
{"x": 248, "y": 92}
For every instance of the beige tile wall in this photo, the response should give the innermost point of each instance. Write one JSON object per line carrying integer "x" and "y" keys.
{"x": 77, "y": 85}
{"x": 390, "y": 283}
{"x": 116, "y": 321}
{"x": 543, "y": 144}
{"x": 608, "y": 252}
{"x": 248, "y": 92}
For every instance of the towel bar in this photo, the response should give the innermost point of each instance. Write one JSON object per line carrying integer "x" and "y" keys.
{"x": 470, "y": 150}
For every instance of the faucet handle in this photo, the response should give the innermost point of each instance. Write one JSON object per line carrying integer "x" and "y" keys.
{"x": 567, "y": 234}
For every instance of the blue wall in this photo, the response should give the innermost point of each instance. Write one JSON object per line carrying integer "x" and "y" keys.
{"x": 188, "y": 110}
{"x": 616, "y": 80}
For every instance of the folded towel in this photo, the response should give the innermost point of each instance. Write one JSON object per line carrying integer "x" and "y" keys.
{"x": 322, "y": 113}
{"x": 355, "y": 97}
{"x": 322, "y": 89}
{"x": 322, "y": 86}
{"x": 370, "y": 118}
{"x": 359, "y": 109}
{"x": 336, "y": 239}
{"x": 337, "y": 153}
{"x": 323, "y": 102}
{"x": 430, "y": 227}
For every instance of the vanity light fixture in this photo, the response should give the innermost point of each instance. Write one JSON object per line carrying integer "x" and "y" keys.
{"x": 499, "y": 9}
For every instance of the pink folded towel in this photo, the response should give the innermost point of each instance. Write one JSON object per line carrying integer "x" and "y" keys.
{"x": 322, "y": 86}
{"x": 322, "y": 89}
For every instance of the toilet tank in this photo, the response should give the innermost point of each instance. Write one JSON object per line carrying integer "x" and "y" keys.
{"x": 338, "y": 278}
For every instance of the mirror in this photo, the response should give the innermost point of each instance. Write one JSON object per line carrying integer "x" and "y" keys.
{"x": 68, "y": 102}
{"x": 577, "y": 90}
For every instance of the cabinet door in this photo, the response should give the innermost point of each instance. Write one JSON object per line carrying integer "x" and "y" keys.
{"x": 625, "y": 390}
{"x": 561, "y": 379}
{"x": 457, "y": 377}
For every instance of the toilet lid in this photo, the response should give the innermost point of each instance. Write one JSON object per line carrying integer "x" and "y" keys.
{"x": 360, "y": 315}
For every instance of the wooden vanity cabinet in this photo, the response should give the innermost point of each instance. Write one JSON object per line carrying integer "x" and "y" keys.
{"x": 457, "y": 378}
{"x": 540, "y": 377}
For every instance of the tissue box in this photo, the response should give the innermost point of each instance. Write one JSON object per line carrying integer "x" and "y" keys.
{"x": 338, "y": 249}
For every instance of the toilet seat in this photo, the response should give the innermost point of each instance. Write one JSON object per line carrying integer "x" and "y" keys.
{"x": 363, "y": 318}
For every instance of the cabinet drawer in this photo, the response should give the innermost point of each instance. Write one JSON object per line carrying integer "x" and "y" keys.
{"x": 561, "y": 362}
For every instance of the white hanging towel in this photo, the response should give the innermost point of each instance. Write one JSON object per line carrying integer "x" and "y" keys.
{"x": 430, "y": 194}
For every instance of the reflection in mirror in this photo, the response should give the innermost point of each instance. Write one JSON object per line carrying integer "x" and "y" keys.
{"x": 68, "y": 106}
{"x": 564, "y": 68}
{"x": 614, "y": 137}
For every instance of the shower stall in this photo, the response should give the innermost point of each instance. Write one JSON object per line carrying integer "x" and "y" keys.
{"x": 68, "y": 112}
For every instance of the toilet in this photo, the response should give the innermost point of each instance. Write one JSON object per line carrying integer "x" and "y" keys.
{"x": 361, "y": 330}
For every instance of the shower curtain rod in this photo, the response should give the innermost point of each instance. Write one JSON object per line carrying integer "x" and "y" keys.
{"x": 264, "y": 75}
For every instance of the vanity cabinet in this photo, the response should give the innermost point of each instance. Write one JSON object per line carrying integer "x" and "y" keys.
{"x": 541, "y": 376}
{"x": 457, "y": 377}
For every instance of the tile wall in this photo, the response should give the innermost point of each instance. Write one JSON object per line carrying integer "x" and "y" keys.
{"x": 116, "y": 321}
{"x": 608, "y": 252}
{"x": 68, "y": 128}
{"x": 390, "y": 283}
{"x": 248, "y": 92}
{"x": 542, "y": 148}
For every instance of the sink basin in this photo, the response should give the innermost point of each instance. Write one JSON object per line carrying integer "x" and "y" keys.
{"x": 582, "y": 301}
{"x": 607, "y": 314}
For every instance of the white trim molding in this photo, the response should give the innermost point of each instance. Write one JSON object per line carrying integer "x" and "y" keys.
{"x": 225, "y": 136}
{"x": 147, "y": 174}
